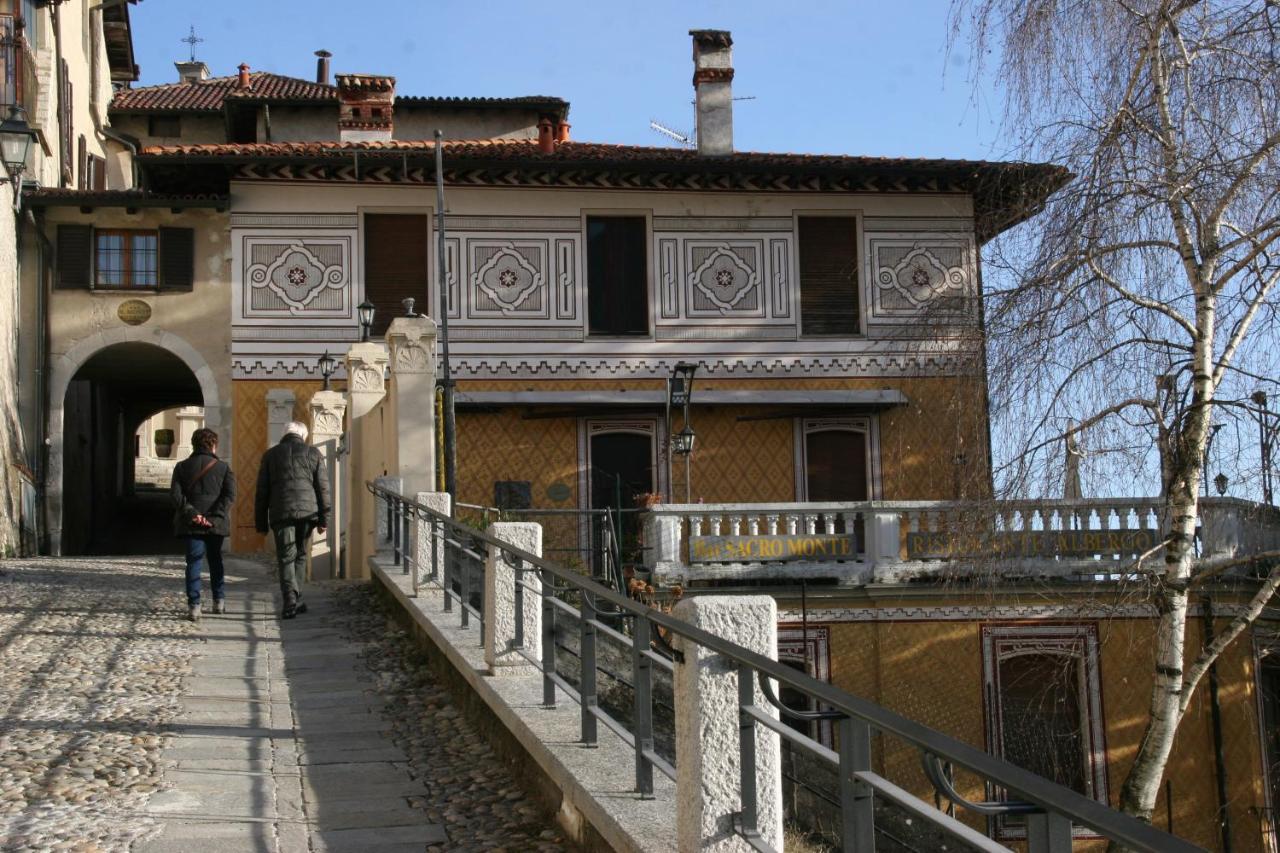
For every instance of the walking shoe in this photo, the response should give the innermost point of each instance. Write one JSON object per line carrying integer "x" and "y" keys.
{"x": 300, "y": 609}
{"x": 193, "y": 613}
{"x": 220, "y": 606}
{"x": 289, "y": 611}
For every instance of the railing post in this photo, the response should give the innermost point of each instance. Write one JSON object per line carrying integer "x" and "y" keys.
{"x": 642, "y": 675}
{"x": 548, "y": 639}
{"x": 386, "y": 527}
{"x": 708, "y": 707}
{"x": 1048, "y": 833}
{"x": 395, "y": 510}
{"x": 428, "y": 547}
{"x": 512, "y": 621}
{"x": 857, "y": 802}
{"x": 407, "y": 555}
{"x": 587, "y": 661}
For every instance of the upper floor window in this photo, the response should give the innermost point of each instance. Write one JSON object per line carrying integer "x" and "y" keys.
{"x": 120, "y": 259}
{"x": 617, "y": 275}
{"x": 164, "y": 126}
{"x": 125, "y": 259}
{"x": 1045, "y": 707}
{"x": 828, "y": 250}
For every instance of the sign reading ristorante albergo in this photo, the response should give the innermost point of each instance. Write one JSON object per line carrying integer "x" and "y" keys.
{"x": 942, "y": 545}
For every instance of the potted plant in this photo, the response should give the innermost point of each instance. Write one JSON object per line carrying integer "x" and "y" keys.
{"x": 164, "y": 443}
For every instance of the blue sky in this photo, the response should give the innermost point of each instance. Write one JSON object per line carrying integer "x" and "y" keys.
{"x": 859, "y": 77}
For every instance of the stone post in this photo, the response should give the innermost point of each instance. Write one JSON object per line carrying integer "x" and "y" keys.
{"x": 708, "y": 776}
{"x": 884, "y": 532}
{"x": 366, "y": 386}
{"x": 662, "y": 543}
{"x": 413, "y": 365}
{"x": 189, "y": 420}
{"x": 428, "y": 550}
{"x": 279, "y": 412}
{"x": 500, "y": 614}
{"x": 328, "y": 408}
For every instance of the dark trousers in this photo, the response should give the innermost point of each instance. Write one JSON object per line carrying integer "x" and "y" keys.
{"x": 206, "y": 547}
{"x": 291, "y": 556}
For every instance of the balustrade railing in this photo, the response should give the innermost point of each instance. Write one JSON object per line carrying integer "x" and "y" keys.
{"x": 658, "y": 639}
{"x": 888, "y": 541}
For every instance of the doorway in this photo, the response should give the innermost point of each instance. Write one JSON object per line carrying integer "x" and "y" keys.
{"x": 106, "y": 509}
{"x": 396, "y": 265}
{"x": 621, "y": 464}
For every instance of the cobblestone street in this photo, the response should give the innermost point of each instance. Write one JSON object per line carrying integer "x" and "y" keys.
{"x": 126, "y": 727}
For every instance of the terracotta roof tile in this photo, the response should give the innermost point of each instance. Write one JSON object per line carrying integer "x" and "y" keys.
{"x": 210, "y": 95}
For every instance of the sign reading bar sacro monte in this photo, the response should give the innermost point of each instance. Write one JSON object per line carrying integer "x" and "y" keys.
{"x": 757, "y": 549}
{"x": 1028, "y": 543}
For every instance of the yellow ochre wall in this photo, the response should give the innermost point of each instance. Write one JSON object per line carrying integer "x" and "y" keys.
{"x": 931, "y": 672}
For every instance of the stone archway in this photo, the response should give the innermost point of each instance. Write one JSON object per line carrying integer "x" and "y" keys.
{"x": 67, "y": 366}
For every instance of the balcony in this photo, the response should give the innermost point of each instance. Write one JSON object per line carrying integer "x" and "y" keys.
{"x": 18, "y": 84}
{"x": 882, "y": 542}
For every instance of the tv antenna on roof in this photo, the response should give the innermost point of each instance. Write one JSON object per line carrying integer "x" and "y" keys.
{"x": 689, "y": 139}
{"x": 192, "y": 40}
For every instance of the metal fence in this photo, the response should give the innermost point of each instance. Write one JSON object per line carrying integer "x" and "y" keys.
{"x": 1049, "y": 811}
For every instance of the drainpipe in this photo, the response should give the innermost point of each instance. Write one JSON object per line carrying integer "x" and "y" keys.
{"x": 1215, "y": 718}
{"x": 63, "y": 130}
{"x": 42, "y": 403}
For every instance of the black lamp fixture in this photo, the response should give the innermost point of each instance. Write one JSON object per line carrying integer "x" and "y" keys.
{"x": 1220, "y": 483}
{"x": 328, "y": 364}
{"x": 16, "y": 137}
{"x": 680, "y": 386}
{"x": 682, "y": 442}
{"x": 365, "y": 311}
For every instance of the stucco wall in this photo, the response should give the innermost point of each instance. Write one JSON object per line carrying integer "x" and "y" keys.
{"x": 421, "y": 123}
{"x": 11, "y": 438}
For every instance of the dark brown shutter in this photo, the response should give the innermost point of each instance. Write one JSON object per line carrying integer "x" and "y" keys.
{"x": 65, "y": 113}
{"x": 828, "y": 275}
{"x": 82, "y": 163}
{"x": 617, "y": 276}
{"x": 75, "y": 256}
{"x": 177, "y": 258}
{"x": 395, "y": 265}
{"x": 98, "y": 169}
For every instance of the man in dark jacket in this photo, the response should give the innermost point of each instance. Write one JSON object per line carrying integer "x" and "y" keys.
{"x": 292, "y": 500}
{"x": 202, "y": 490}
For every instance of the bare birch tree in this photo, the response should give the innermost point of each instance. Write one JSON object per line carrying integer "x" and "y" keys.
{"x": 1139, "y": 307}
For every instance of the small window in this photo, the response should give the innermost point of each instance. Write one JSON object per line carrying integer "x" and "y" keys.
{"x": 617, "y": 275}
{"x": 125, "y": 259}
{"x": 1044, "y": 706}
{"x": 164, "y": 126}
{"x": 828, "y": 252}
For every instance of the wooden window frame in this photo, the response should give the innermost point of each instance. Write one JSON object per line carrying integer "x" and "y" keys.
{"x": 1000, "y": 642}
{"x": 648, "y": 254}
{"x": 127, "y": 258}
{"x": 861, "y": 270}
{"x": 869, "y": 425}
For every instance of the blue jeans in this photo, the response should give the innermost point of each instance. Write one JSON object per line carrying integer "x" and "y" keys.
{"x": 207, "y": 547}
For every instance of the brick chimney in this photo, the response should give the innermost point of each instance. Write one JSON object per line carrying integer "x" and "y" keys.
{"x": 322, "y": 66}
{"x": 365, "y": 104}
{"x": 713, "y": 90}
{"x": 191, "y": 72}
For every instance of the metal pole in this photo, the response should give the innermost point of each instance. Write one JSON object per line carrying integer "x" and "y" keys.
{"x": 666, "y": 450}
{"x": 446, "y": 382}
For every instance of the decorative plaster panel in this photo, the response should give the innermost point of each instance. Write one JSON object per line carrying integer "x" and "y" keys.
{"x": 508, "y": 278}
{"x": 669, "y": 278}
{"x": 724, "y": 278}
{"x": 918, "y": 275}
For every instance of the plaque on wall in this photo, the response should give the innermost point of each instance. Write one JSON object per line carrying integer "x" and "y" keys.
{"x": 558, "y": 492}
{"x": 133, "y": 312}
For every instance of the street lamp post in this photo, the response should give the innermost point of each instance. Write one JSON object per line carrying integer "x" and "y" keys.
{"x": 16, "y": 137}
{"x": 328, "y": 364}
{"x": 679, "y": 394}
{"x": 365, "y": 311}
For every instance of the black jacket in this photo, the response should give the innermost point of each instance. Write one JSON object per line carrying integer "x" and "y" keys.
{"x": 210, "y": 496}
{"x": 293, "y": 485}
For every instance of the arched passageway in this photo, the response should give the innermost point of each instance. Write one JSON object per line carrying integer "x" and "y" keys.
{"x": 103, "y": 510}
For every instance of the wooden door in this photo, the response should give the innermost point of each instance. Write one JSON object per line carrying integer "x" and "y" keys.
{"x": 396, "y": 265}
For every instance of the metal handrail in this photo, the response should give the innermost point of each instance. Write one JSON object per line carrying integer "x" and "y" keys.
{"x": 1061, "y": 807}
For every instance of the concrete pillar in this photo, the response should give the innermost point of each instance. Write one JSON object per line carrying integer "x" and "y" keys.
{"x": 662, "y": 542}
{"x": 884, "y": 531}
{"x": 365, "y": 388}
{"x": 413, "y": 368}
{"x": 708, "y": 776}
{"x": 328, "y": 409}
{"x": 500, "y": 614}
{"x": 190, "y": 419}
{"x": 427, "y": 549}
{"x": 279, "y": 412}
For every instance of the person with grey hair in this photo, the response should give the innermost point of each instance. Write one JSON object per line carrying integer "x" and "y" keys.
{"x": 203, "y": 489}
{"x": 291, "y": 501}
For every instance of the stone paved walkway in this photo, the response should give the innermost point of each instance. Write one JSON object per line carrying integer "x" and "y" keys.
{"x": 127, "y": 728}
